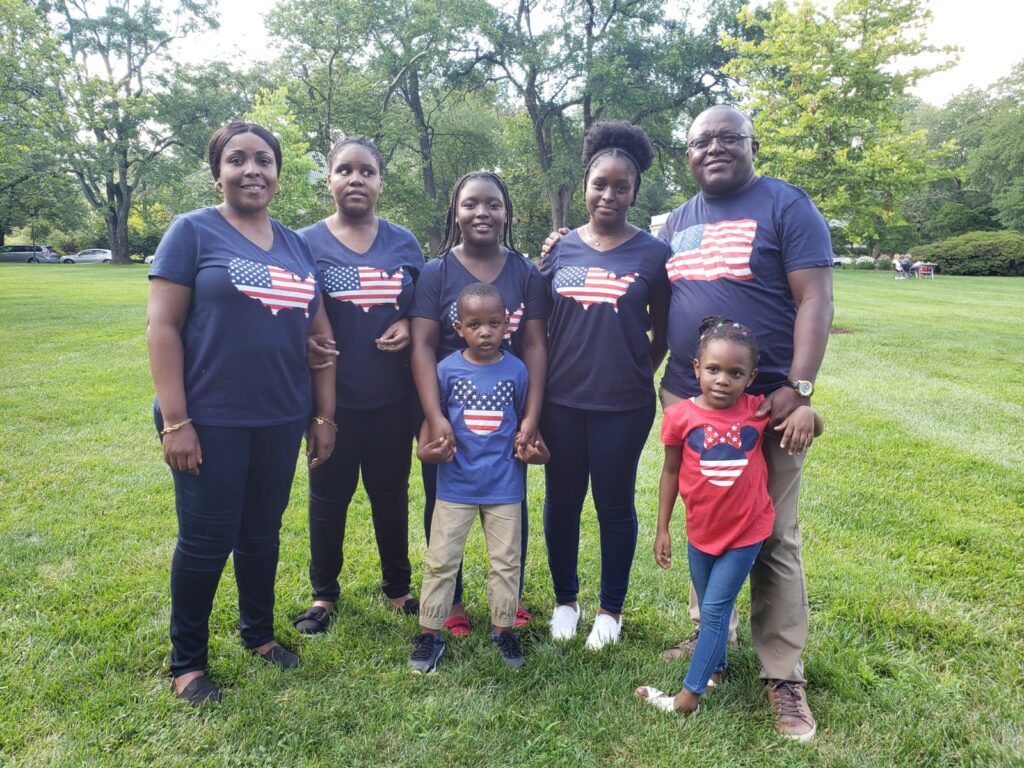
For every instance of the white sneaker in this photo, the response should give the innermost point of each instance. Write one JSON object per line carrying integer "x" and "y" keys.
{"x": 606, "y": 630}
{"x": 563, "y": 622}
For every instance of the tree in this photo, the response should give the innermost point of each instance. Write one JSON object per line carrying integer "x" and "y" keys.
{"x": 602, "y": 59}
{"x": 996, "y": 165}
{"x": 120, "y": 120}
{"x": 30, "y": 116}
{"x": 825, "y": 93}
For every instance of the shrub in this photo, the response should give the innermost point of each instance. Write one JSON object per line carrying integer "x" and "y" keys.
{"x": 864, "y": 262}
{"x": 976, "y": 253}
{"x": 884, "y": 263}
{"x": 843, "y": 261}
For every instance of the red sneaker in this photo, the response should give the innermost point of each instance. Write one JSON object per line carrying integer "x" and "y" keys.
{"x": 458, "y": 626}
{"x": 522, "y": 616}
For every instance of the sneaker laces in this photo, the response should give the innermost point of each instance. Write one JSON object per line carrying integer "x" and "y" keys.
{"x": 508, "y": 644}
{"x": 787, "y": 700}
{"x": 423, "y": 646}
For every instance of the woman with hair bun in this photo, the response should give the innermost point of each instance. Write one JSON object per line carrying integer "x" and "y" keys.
{"x": 608, "y": 291}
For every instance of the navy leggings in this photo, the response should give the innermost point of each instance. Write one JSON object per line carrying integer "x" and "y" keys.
{"x": 377, "y": 442}
{"x": 430, "y": 495}
{"x": 602, "y": 447}
{"x": 232, "y": 507}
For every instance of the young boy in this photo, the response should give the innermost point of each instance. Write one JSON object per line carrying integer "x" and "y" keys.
{"x": 483, "y": 394}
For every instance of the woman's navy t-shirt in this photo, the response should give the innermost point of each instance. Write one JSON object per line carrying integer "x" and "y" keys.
{"x": 245, "y": 335}
{"x": 365, "y": 294}
{"x": 443, "y": 278}
{"x": 599, "y": 353}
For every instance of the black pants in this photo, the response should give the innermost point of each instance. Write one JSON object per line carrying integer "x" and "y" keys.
{"x": 232, "y": 507}
{"x": 377, "y": 442}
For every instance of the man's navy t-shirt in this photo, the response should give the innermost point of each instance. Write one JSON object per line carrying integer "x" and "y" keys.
{"x": 731, "y": 256}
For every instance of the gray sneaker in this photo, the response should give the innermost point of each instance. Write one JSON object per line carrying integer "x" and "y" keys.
{"x": 509, "y": 648}
{"x": 427, "y": 650}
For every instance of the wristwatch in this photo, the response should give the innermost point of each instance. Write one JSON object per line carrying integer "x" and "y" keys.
{"x": 803, "y": 387}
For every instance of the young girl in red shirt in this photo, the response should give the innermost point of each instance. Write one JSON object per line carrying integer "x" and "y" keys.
{"x": 713, "y": 460}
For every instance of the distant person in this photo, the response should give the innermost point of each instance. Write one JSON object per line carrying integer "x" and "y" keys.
{"x": 608, "y": 291}
{"x": 369, "y": 267}
{"x": 714, "y": 461}
{"x": 477, "y": 247}
{"x": 481, "y": 474}
{"x": 232, "y": 298}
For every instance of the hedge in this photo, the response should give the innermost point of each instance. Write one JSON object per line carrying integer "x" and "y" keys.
{"x": 976, "y": 253}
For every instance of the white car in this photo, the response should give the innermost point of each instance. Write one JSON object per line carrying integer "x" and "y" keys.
{"x": 149, "y": 259}
{"x": 89, "y": 256}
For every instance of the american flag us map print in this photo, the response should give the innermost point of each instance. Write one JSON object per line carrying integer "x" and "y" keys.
{"x": 590, "y": 285}
{"x": 365, "y": 287}
{"x": 713, "y": 251}
{"x": 483, "y": 411}
{"x": 273, "y": 287}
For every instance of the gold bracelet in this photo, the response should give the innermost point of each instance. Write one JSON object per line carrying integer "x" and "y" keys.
{"x": 320, "y": 420}
{"x": 174, "y": 427}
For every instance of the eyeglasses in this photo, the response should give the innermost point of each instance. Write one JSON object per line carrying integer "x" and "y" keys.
{"x": 724, "y": 140}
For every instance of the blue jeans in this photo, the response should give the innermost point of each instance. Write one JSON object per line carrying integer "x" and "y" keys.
{"x": 602, "y": 449}
{"x": 717, "y": 580}
{"x": 232, "y": 507}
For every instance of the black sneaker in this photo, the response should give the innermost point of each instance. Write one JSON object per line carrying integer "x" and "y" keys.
{"x": 509, "y": 648}
{"x": 427, "y": 650}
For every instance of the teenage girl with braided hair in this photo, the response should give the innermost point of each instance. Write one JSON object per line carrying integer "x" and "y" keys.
{"x": 713, "y": 459}
{"x": 609, "y": 290}
{"x": 477, "y": 247}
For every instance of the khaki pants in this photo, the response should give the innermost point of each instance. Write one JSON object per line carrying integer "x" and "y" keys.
{"x": 779, "y": 613}
{"x": 448, "y": 533}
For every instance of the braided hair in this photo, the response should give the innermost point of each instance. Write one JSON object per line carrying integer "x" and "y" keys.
{"x": 617, "y": 138}
{"x": 363, "y": 141}
{"x": 721, "y": 328}
{"x": 452, "y": 233}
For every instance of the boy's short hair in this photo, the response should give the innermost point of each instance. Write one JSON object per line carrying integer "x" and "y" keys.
{"x": 477, "y": 291}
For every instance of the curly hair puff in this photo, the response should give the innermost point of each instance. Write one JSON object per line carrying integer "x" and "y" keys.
{"x": 617, "y": 138}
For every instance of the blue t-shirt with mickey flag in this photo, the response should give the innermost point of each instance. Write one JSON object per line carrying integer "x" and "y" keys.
{"x": 731, "y": 256}
{"x": 484, "y": 404}
{"x": 443, "y": 278}
{"x": 245, "y": 335}
{"x": 599, "y": 353}
{"x": 366, "y": 293}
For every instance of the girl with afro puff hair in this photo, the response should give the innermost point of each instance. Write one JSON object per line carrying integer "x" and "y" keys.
{"x": 606, "y": 337}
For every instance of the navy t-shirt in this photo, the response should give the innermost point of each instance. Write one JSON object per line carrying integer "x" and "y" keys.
{"x": 438, "y": 288}
{"x": 730, "y": 256}
{"x": 245, "y": 335}
{"x": 365, "y": 294}
{"x": 484, "y": 404}
{"x": 599, "y": 353}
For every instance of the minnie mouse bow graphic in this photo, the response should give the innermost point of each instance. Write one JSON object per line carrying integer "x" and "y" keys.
{"x": 483, "y": 411}
{"x": 723, "y": 457}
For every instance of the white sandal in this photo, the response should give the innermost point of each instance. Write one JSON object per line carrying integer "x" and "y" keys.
{"x": 662, "y": 701}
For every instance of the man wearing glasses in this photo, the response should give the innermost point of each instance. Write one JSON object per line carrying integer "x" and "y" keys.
{"x": 757, "y": 250}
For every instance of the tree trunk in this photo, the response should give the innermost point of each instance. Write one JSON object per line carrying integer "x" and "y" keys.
{"x": 426, "y": 156}
{"x": 120, "y": 205}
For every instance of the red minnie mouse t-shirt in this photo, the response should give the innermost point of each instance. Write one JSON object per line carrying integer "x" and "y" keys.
{"x": 723, "y": 478}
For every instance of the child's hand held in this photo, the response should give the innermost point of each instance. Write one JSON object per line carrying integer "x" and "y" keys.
{"x": 663, "y": 550}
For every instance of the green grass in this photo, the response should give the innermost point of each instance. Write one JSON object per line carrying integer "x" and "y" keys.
{"x": 913, "y": 545}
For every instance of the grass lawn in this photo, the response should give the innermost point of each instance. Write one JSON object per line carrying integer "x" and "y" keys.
{"x": 913, "y": 545}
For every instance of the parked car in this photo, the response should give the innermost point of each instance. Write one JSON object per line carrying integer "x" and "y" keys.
{"x": 89, "y": 256}
{"x": 33, "y": 254}
{"x": 149, "y": 259}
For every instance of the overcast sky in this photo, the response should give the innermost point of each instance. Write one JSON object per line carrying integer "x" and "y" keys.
{"x": 987, "y": 31}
